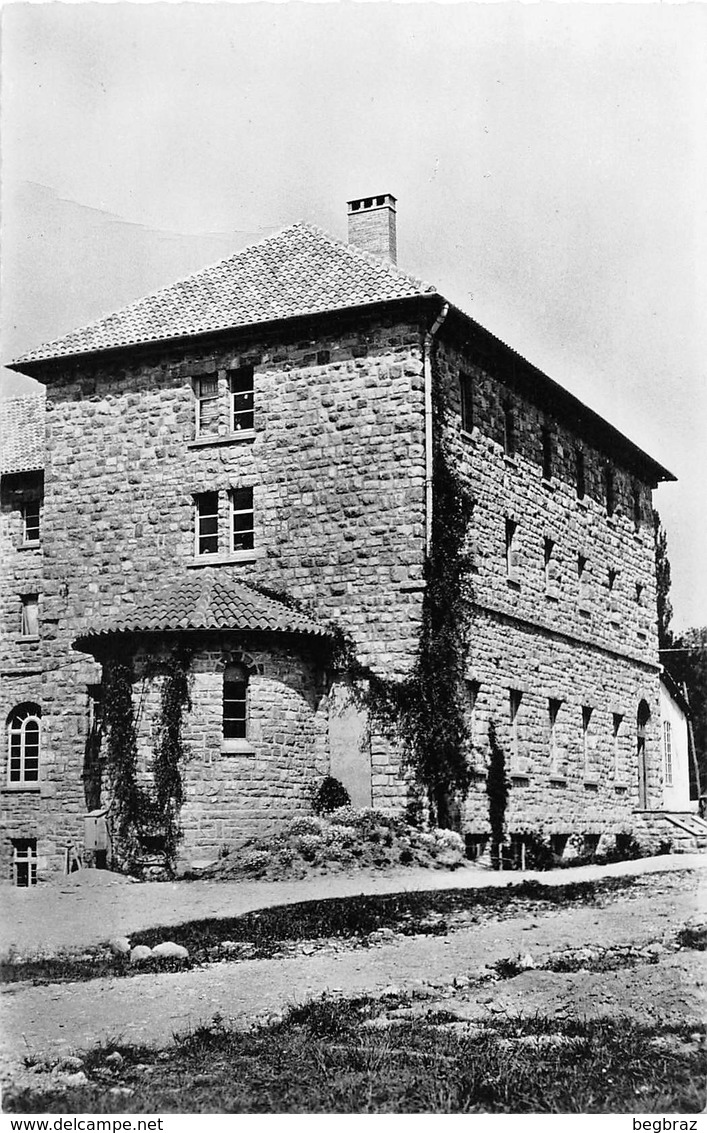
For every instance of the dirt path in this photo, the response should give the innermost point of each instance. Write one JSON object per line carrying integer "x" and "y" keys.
{"x": 92, "y": 906}
{"x": 151, "y": 1008}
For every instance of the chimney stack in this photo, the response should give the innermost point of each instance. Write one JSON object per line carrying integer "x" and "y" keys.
{"x": 372, "y": 226}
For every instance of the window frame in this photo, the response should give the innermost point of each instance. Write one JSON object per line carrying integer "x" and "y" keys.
{"x": 24, "y": 857}
{"x": 29, "y": 540}
{"x": 17, "y": 724}
{"x": 29, "y": 617}
{"x": 236, "y": 679}
{"x": 236, "y": 416}
{"x": 206, "y": 428}
{"x": 668, "y": 752}
{"x": 233, "y": 511}
{"x": 199, "y": 518}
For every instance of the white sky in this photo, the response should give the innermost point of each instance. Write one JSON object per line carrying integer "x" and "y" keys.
{"x": 550, "y": 164}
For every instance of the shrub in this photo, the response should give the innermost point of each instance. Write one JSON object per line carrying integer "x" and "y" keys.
{"x": 330, "y": 795}
{"x": 304, "y": 824}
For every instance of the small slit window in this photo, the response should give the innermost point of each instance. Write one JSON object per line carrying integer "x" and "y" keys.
{"x": 29, "y": 620}
{"x": 235, "y": 703}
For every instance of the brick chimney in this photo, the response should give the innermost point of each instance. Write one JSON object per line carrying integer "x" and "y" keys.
{"x": 372, "y": 226}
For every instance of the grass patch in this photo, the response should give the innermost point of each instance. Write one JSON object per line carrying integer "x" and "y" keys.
{"x": 329, "y": 1056}
{"x": 262, "y": 934}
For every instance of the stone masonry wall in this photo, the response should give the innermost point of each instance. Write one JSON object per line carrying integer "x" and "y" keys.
{"x": 539, "y": 630}
{"x": 336, "y": 464}
{"x": 232, "y": 795}
{"x": 20, "y": 658}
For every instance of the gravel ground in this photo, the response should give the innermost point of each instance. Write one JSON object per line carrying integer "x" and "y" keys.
{"x": 59, "y": 1018}
{"x": 91, "y": 906}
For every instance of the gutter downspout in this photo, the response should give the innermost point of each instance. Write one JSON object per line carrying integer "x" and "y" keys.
{"x": 427, "y": 365}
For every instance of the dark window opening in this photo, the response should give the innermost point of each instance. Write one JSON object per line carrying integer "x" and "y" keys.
{"x": 235, "y": 703}
{"x": 467, "y": 403}
{"x": 242, "y": 399}
{"x": 24, "y": 862}
{"x": 207, "y": 523}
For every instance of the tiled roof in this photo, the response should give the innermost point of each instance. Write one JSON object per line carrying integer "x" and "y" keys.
{"x": 22, "y": 433}
{"x": 205, "y": 602}
{"x": 298, "y": 271}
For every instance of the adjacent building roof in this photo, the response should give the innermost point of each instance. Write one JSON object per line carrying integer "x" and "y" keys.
{"x": 22, "y": 433}
{"x": 297, "y": 271}
{"x": 204, "y": 602}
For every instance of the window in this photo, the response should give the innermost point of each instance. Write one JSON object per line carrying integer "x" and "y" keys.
{"x": 668, "y": 752}
{"x": 618, "y": 720}
{"x": 95, "y": 709}
{"x": 207, "y": 405}
{"x": 612, "y": 578}
{"x": 514, "y": 699}
{"x": 610, "y": 490}
{"x": 509, "y": 435}
{"x": 242, "y": 519}
{"x": 550, "y": 566}
{"x": 586, "y": 737}
{"x": 24, "y": 862}
{"x": 241, "y": 383}
{"x": 472, "y": 696}
{"x": 547, "y": 454}
{"x": 583, "y": 579}
{"x": 23, "y": 735}
{"x": 467, "y": 404}
{"x": 511, "y": 551}
{"x": 29, "y": 622}
{"x": 30, "y": 521}
{"x": 636, "y": 507}
{"x": 207, "y": 523}
{"x": 553, "y": 711}
{"x": 640, "y": 590}
{"x": 580, "y": 474}
{"x": 235, "y": 703}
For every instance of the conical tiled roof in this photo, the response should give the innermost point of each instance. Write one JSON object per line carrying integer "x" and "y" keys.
{"x": 298, "y": 271}
{"x": 204, "y": 603}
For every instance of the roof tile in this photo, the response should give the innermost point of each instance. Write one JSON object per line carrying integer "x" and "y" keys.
{"x": 297, "y": 271}
{"x": 22, "y": 433}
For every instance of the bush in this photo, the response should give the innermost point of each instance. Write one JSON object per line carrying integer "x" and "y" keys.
{"x": 330, "y": 796}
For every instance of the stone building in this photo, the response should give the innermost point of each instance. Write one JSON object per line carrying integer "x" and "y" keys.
{"x": 241, "y": 466}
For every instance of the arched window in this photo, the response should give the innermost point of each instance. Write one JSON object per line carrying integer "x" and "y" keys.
{"x": 24, "y": 726}
{"x": 235, "y": 702}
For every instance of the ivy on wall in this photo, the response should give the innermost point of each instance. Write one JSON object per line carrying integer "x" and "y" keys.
{"x": 427, "y": 711}
{"x": 136, "y": 808}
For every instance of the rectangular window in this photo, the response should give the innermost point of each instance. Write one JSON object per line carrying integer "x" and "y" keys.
{"x": 612, "y": 579}
{"x": 207, "y": 406}
{"x": 207, "y": 523}
{"x": 636, "y": 507}
{"x": 553, "y": 710}
{"x": 235, "y": 709}
{"x": 586, "y": 737}
{"x": 511, "y": 551}
{"x": 668, "y": 752}
{"x": 583, "y": 579}
{"x": 514, "y": 699}
{"x": 95, "y": 708}
{"x": 472, "y": 696}
{"x": 30, "y": 521}
{"x": 579, "y": 469}
{"x": 550, "y": 566}
{"x": 640, "y": 591}
{"x": 24, "y": 862}
{"x": 242, "y": 519}
{"x": 547, "y": 454}
{"x": 509, "y": 432}
{"x": 241, "y": 384}
{"x": 467, "y": 404}
{"x": 618, "y": 720}
{"x": 610, "y": 490}
{"x": 29, "y": 625}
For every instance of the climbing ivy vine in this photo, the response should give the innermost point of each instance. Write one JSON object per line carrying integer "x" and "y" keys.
{"x": 169, "y": 751}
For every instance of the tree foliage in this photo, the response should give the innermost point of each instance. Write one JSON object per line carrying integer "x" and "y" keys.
{"x": 662, "y": 571}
